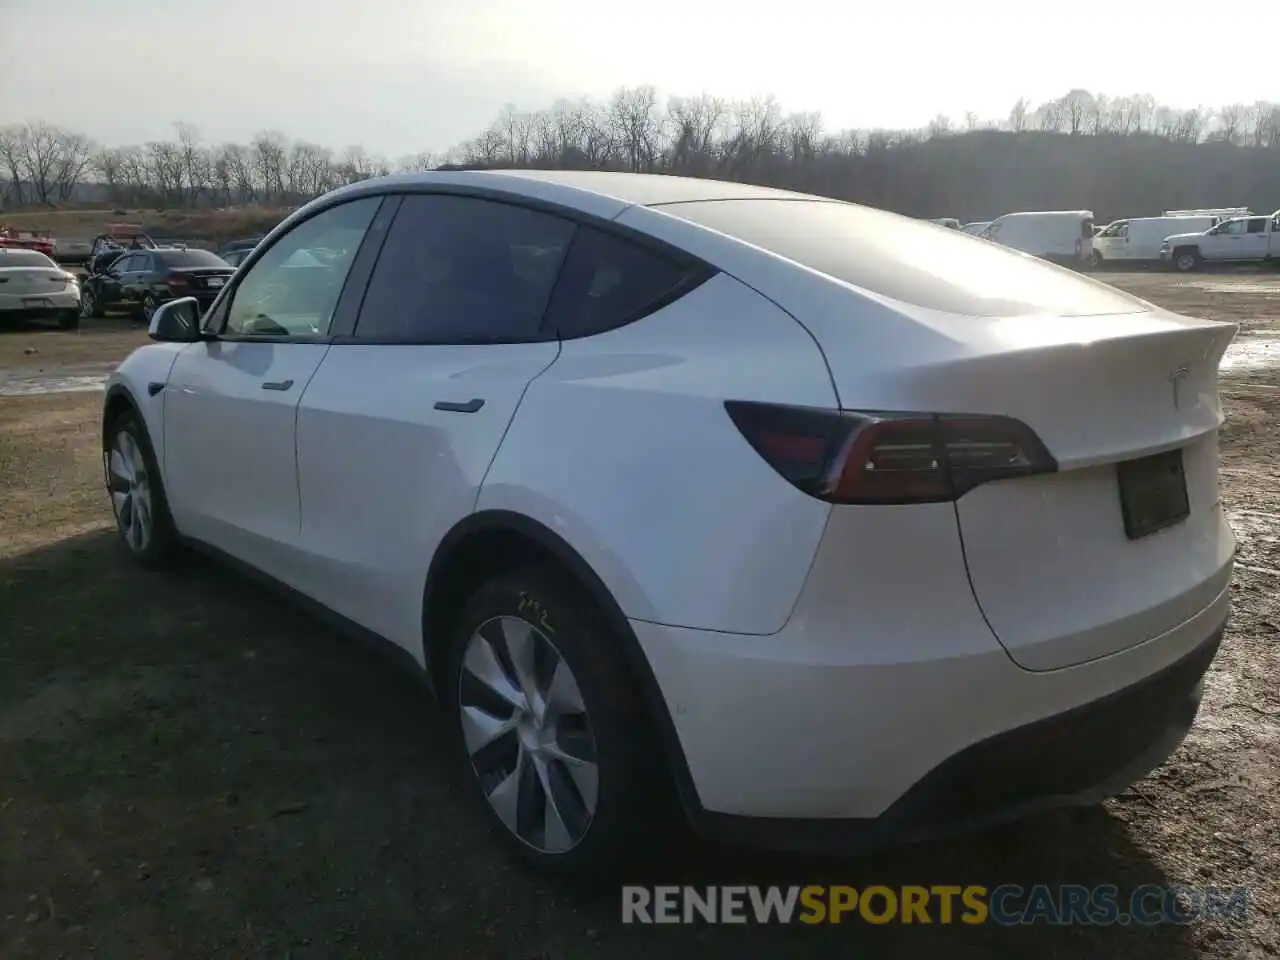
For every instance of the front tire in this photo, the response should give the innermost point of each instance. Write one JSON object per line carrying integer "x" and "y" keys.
{"x": 149, "y": 307}
{"x": 551, "y": 728}
{"x": 90, "y": 305}
{"x": 137, "y": 493}
{"x": 1187, "y": 260}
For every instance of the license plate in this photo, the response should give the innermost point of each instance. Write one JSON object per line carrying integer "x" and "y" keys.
{"x": 34, "y": 303}
{"x": 1153, "y": 493}
{"x": 216, "y": 281}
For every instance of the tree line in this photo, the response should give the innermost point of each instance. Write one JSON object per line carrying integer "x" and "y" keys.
{"x": 1116, "y": 155}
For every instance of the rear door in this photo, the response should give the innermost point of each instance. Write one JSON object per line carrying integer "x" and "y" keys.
{"x": 398, "y": 427}
{"x": 1254, "y": 244}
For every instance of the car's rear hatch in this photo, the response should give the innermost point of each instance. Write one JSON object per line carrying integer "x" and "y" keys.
{"x": 925, "y": 320}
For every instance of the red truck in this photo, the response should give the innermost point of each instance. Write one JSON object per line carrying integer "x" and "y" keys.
{"x": 27, "y": 240}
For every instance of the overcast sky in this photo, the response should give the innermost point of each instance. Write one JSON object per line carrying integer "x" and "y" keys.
{"x": 398, "y": 76}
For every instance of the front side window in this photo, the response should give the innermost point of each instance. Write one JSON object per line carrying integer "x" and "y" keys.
{"x": 463, "y": 270}
{"x": 125, "y": 264}
{"x": 1232, "y": 228}
{"x": 607, "y": 282}
{"x": 293, "y": 288}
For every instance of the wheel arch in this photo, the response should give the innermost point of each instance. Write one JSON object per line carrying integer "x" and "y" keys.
{"x": 490, "y": 542}
{"x": 118, "y": 400}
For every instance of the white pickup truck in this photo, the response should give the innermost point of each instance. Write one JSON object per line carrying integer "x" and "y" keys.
{"x": 1238, "y": 240}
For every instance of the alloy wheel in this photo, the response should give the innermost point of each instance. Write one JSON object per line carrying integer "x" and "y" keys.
{"x": 528, "y": 735}
{"x": 86, "y": 304}
{"x": 148, "y": 307}
{"x": 1186, "y": 262}
{"x": 130, "y": 491}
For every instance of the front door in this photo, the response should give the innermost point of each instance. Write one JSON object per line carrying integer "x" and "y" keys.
{"x": 112, "y": 282}
{"x": 1225, "y": 242}
{"x": 231, "y": 401}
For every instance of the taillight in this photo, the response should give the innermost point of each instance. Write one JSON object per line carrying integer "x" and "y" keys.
{"x": 176, "y": 281}
{"x": 889, "y": 458}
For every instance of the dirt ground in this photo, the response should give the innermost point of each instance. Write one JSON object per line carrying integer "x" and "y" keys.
{"x": 190, "y": 767}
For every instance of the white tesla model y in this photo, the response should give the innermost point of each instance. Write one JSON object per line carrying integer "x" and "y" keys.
{"x": 844, "y": 527}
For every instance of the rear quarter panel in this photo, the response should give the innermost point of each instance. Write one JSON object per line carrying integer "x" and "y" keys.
{"x": 623, "y": 447}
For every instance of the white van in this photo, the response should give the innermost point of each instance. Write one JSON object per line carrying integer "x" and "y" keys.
{"x": 1060, "y": 236}
{"x": 1139, "y": 239}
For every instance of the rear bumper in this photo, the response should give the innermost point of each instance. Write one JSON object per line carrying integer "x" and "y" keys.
{"x": 60, "y": 302}
{"x": 797, "y": 754}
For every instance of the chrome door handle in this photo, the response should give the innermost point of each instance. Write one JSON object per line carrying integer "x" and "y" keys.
{"x": 471, "y": 406}
{"x": 277, "y": 385}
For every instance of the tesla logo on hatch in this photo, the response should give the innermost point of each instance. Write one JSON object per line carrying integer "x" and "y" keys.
{"x": 1175, "y": 381}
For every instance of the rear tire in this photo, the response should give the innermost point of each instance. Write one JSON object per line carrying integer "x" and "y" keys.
{"x": 137, "y": 494}
{"x": 149, "y": 306}
{"x": 546, "y": 714}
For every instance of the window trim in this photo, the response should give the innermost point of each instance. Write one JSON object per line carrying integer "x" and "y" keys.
{"x": 215, "y": 323}
{"x": 113, "y": 269}
{"x": 693, "y": 277}
{"x": 698, "y": 271}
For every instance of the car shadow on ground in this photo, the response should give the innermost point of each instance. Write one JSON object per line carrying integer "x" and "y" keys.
{"x": 191, "y": 766}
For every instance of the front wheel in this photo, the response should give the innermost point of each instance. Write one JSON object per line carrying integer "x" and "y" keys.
{"x": 149, "y": 306}
{"x": 1186, "y": 260}
{"x": 554, "y": 737}
{"x": 90, "y": 305}
{"x": 137, "y": 493}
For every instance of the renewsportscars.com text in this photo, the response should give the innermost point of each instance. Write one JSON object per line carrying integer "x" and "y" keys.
{"x": 1005, "y": 905}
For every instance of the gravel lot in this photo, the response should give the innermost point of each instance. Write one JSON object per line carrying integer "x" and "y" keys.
{"x": 191, "y": 768}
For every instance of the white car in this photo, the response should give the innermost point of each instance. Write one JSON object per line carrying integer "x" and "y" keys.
{"x": 33, "y": 287}
{"x": 840, "y": 526}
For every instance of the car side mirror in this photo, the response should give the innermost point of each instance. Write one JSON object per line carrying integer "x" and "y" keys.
{"x": 177, "y": 321}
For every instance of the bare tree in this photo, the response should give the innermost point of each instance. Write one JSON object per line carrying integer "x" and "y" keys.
{"x": 1231, "y": 120}
{"x": 1018, "y": 115}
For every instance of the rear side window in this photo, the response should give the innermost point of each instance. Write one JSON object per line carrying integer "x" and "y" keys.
{"x": 463, "y": 270}
{"x": 1258, "y": 225}
{"x": 190, "y": 258}
{"x": 608, "y": 281}
{"x": 906, "y": 260}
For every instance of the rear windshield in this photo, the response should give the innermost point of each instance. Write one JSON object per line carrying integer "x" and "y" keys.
{"x": 190, "y": 258}
{"x": 24, "y": 258}
{"x": 907, "y": 260}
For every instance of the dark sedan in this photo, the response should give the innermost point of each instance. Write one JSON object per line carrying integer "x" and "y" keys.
{"x": 141, "y": 280}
